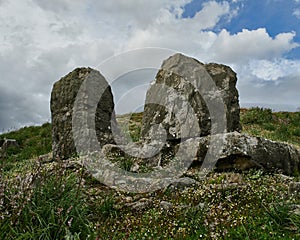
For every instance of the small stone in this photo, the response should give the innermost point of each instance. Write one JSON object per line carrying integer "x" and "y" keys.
{"x": 294, "y": 189}
{"x": 166, "y": 205}
{"x": 140, "y": 204}
{"x": 183, "y": 206}
{"x": 128, "y": 199}
{"x": 200, "y": 206}
{"x": 235, "y": 178}
{"x": 45, "y": 158}
{"x": 285, "y": 177}
{"x": 295, "y": 210}
{"x": 135, "y": 167}
{"x": 182, "y": 183}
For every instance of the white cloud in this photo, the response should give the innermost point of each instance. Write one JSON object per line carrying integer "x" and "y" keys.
{"x": 248, "y": 44}
{"x": 274, "y": 83}
{"x": 280, "y": 94}
{"x": 183, "y": 34}
{"x": 274, "y": 70}
{"x": 296, "y": 13}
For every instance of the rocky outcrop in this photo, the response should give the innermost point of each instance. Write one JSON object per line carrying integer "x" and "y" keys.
{"x": 187, "y": 93}
{"x": 189, "y": 103}
{"x": 222, "y": 152}
{"x": 63, "y": 96}
{"x": 242, "y": 152}
{"x": 5, "y": 144}
{"x": 184, "y": 94}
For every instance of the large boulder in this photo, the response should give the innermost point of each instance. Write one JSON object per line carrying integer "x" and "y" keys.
{"x": 175, "y": 89}
{"x": 63, "y": 97}
{"x": 239, "y": 151}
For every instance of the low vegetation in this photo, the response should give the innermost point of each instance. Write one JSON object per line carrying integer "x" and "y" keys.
{"x": 40, "y": 199}
{"x": 278, "y": 126}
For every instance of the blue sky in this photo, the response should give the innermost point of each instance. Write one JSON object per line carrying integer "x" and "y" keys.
{"x": 275, "y": 15}
{"x": 41, "y": 41}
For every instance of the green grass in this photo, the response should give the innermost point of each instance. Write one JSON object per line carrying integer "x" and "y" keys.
{"x": 44, "y": 205}
{"x": 59, "y": 200}
{"x": 33, "y": 141}
{"x": 133, "y": 122}
{"x": 278, "y": 126}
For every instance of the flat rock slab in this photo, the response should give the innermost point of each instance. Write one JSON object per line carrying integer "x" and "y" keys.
{"x": 228, "y": 151}
{"x": 239, "y": 151}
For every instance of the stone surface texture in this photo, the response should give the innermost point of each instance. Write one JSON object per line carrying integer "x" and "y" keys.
{"x": 172, "y": 98}
{"x": 242, "y": 152}
{"x": 63, "y": 96}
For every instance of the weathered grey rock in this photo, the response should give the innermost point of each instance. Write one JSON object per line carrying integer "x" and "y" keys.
{"x": 295, "y": 209}
{"x": 6, "y": 143}
{"x": 134, "y": 149}
{"x": 167, "y": 206}
{"x": 294, "y": 189}
{"x": 172, "y": 100}
{"x": 63, "y": 96}
{"x": 182, "y": 183}
{"x": 139, "y": 205}
{"x": 135, "y": 167}
{"x": 45, "y": 158}
{"x": 242, "y": 152}
{"x": 285, "y": 177}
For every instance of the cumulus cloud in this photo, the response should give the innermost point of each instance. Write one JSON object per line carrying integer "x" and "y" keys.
{"x": 172, "y": 31}
{"x": 270, "y": 83}
{"x": 248, "y": 44}
{"x": 42, "y": 41}
{"x": 280, "y": 95}
{"x": 274, "y": 70}
{"x": 297, "y": 13}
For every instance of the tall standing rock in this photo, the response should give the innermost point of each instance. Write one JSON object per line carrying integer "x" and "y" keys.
{"x": 176, "y": 87}
{"x": 63, "y": 97}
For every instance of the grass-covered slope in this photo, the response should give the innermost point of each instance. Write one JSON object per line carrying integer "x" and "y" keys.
{"x": 48, "y": 200}
{"x": 33, "y": 141}
{"x": 279, "y": 126}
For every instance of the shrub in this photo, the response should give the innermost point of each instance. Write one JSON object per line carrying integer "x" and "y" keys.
{"x": 257, "y": 116}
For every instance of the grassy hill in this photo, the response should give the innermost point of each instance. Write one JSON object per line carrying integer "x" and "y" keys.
{"x": 40, "y": 199}
{"x": 278, "y": 126}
